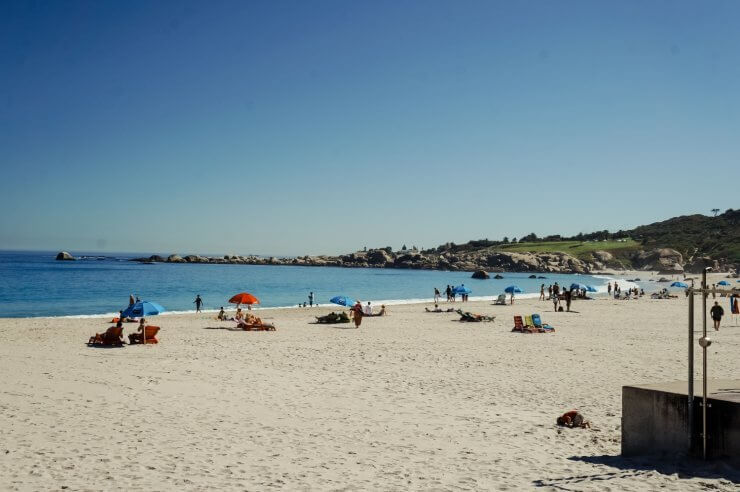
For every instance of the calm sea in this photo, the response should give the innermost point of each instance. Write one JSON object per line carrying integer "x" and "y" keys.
{"x": 35, "y": 284}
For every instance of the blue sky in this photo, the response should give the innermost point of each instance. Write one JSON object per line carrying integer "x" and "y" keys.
{"x": 322, "y": 126}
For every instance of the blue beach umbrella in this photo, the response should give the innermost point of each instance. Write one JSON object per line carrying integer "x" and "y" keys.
{"x": 578, "y": 287}
{"x": 461, "y": 289}
{"x": 590, "y": 288}
{"x": 342, "y": 300}
{"x": 513, "y": 289}
{"x": 142, "y": 308}
{"x": 680, "y": 285}
{"x": 723, "y": 282}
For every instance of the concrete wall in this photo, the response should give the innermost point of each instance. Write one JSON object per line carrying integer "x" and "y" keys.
{"x": 655, "y": 422}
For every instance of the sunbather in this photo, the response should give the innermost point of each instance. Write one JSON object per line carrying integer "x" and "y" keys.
{"x": 221, "y": 315}
{"x": 136, "y": 336}
{"x": 333, "y": 318}
{"x": 468, "y": 316}
{"x": 573, "y": 419}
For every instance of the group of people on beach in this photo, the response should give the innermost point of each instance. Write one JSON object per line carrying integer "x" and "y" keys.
{"x": 451, "y": 294}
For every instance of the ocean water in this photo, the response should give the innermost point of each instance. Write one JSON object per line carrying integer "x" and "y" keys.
{"x": 35, "y": 284}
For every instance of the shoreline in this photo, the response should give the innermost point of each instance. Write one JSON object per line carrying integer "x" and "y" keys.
{"x": 623, "y": 277}
{"x": 376, "y": 302}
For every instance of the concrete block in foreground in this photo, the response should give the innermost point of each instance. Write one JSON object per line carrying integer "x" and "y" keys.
{"x": 655, "y": 420}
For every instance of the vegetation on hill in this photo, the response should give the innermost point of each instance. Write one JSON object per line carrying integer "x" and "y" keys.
{"x": 692, "y": 235}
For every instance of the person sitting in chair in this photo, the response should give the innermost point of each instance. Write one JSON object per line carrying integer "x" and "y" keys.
{"x": 138, "y": 336}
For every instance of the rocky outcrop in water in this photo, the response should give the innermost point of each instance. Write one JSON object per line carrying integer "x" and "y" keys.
{"x": 64, "y": 256}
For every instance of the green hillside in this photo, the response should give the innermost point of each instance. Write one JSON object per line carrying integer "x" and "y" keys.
{"x": 692, "y": 235}
{"x": 579, "y": 249}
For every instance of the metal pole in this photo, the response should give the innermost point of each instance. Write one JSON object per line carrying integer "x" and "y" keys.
{"x": 704, "y": 363}
{"x": 691, "y": 368}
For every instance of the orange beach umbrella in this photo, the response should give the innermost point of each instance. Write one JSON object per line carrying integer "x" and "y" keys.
{"x": 244, "y": 298}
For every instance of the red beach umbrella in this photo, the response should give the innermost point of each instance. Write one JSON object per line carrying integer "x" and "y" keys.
{"x": 244, "y": 298}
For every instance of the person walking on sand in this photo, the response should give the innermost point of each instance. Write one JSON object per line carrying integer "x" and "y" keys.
{"x": 310, "y": 299}
{"x": 542, "y": 292}
{"x": 198, "y": 303}
{"x": 357, "y": 314}
{"x": 436, "y": 295}
{"x": 448, "y": 291}
{"x": 716, "y": 312}
{"x": 568, "y": 297}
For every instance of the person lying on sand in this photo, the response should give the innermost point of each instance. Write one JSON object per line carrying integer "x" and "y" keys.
{"x": 333, "y": 318}
{"x": 468, "y": 316}
{"x": 573, "y": 419}
{"x": 437, "y": 309}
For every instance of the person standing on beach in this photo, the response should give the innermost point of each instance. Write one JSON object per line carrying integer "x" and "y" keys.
{"x": 714, "y": 294}
{"x": 734, "y": 307}
{"x": 198, "y": 302}
{"x": 568, "y": 297}
{"x": 549, "y": 292}
{"x": 542, "y": 292}
{"x": 716, "y": 312}
{"x": 556, "y": 289}
{"x": 609, "y": 288}
{"x": 555, "y": 301}
{"x": 436, "y": 295}
{"x": 310, "y": 299}
{"x": 357, "y": 314}
{"x": 448, "y": 291}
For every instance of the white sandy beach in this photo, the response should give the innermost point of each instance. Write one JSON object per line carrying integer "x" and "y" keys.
{"x": 409, "y": 401}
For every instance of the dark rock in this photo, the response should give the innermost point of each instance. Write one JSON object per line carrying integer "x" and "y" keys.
{"x": 498, "y": 276}
{"x": 379, "y": 257}
{"x": 532, "y": 276}
{"x": 481, "y": 274}
{"x": 64, "y": 256}
{"x": 156, "y": 258}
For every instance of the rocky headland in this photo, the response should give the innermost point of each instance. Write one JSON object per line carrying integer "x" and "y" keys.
{"x": 663, "y": 260}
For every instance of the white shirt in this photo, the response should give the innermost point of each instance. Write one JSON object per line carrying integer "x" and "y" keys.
{"x": 368, "y": 309}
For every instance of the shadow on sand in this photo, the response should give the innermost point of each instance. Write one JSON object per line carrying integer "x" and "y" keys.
{"x": 644, "y": 466}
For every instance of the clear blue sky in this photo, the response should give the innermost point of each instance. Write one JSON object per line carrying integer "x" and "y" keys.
{"x": 325, "y": 126}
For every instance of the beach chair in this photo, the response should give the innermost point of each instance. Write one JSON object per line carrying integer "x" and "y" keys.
{"x": 501, "y": 300}
{"x": 111, "y": 338}
{"x": 518, "y": 324}
{"x": 528, "y": 321}
{"x": 149, "y": 331}
{"x": 539, "y": 325}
